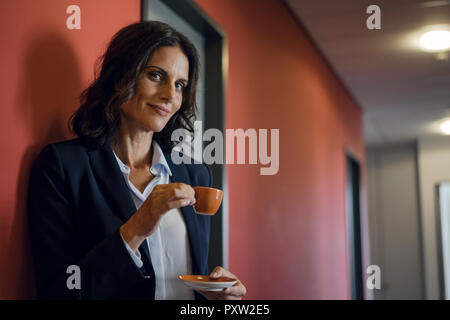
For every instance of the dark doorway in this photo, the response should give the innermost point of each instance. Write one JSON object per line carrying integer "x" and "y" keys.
{"x": 353, "y": 212}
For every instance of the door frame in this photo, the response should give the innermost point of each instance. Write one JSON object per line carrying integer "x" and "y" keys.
{"x": 216, "y": 74}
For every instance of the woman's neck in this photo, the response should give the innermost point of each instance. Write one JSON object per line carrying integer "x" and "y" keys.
{"x": 133, "y": 146}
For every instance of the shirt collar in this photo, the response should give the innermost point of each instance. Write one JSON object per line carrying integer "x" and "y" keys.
{"x": 159, "y": 162}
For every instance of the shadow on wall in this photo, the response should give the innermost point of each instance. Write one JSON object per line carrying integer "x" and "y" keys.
{"x": 50, "y": 86}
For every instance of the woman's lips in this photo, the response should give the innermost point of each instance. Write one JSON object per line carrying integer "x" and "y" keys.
{"x": 161, "y": 110}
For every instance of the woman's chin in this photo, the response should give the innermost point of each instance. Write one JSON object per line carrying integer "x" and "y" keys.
{"x": 156, "y": 127}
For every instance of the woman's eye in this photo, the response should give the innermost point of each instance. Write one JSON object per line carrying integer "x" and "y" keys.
{"x": 180, "y": 86}
{"x": 154, "y": 75}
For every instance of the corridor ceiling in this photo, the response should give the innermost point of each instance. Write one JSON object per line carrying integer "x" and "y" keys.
{"x": 403, "y": 91}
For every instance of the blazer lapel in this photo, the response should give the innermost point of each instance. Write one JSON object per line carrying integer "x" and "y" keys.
{"x": 180, "y": 174}
{"x": 111, "y": 180}
{"x": 109, "y": 175}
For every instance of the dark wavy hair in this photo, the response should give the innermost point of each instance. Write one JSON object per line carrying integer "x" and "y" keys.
{"x": 98, "y": 117}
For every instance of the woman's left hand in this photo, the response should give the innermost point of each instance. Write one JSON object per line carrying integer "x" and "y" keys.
{"x": 236, "y": 292}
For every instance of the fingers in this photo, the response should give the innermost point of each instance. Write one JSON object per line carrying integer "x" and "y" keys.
{"x": 170, "y": 196}
{"x": 162, "y": 199}
{"x": 181, "y": 195}
{"x": 181, "y": 191}
{"x": 236, "y": 292}
{"x": 216, "y": 273}
{"x": 221, "y": 272}
{"x": 179, "y": 203}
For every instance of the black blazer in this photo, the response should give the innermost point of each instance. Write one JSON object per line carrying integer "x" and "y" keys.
{"x": 77, "y": 201}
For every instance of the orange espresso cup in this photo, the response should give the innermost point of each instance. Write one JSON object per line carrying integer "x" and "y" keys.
{"x": 208, "y": 200}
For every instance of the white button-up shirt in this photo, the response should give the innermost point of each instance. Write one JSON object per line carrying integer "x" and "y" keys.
{"x": 169, "y": 244}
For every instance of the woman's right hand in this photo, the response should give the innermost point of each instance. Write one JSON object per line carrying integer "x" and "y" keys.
{"x": 163, "y": 198}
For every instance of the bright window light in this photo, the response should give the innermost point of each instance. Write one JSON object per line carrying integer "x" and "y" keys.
{"x": 437, "y": 40}
{"x": 445, "y": 127}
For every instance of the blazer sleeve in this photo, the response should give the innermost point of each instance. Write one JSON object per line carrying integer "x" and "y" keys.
{"x": 54, "y": 230}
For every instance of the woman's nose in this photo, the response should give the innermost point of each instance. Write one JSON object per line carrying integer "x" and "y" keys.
{"x": 168, "y": 91}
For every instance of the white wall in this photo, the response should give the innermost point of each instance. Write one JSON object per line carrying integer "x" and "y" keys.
{"x": 394, "y": 221}
{"x": 434, "y": 167}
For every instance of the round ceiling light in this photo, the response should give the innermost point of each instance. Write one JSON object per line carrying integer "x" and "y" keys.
{"x": 445, "y": 127}
{"x": 437, "y": 40}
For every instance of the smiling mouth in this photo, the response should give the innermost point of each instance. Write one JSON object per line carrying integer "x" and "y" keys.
{"x": 160, "y": 110}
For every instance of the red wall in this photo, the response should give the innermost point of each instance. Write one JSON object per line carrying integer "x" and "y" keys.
{"x": 287, "y": 231}
{"x": 44, "y": 67}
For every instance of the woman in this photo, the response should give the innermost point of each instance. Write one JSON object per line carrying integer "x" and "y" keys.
{"x": 111, "y": 204}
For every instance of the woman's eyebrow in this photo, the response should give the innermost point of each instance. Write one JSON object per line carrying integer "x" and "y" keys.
{"x": 164, "y": 71}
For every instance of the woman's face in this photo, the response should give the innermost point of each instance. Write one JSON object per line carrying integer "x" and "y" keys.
{"x": 159, "y": 91}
